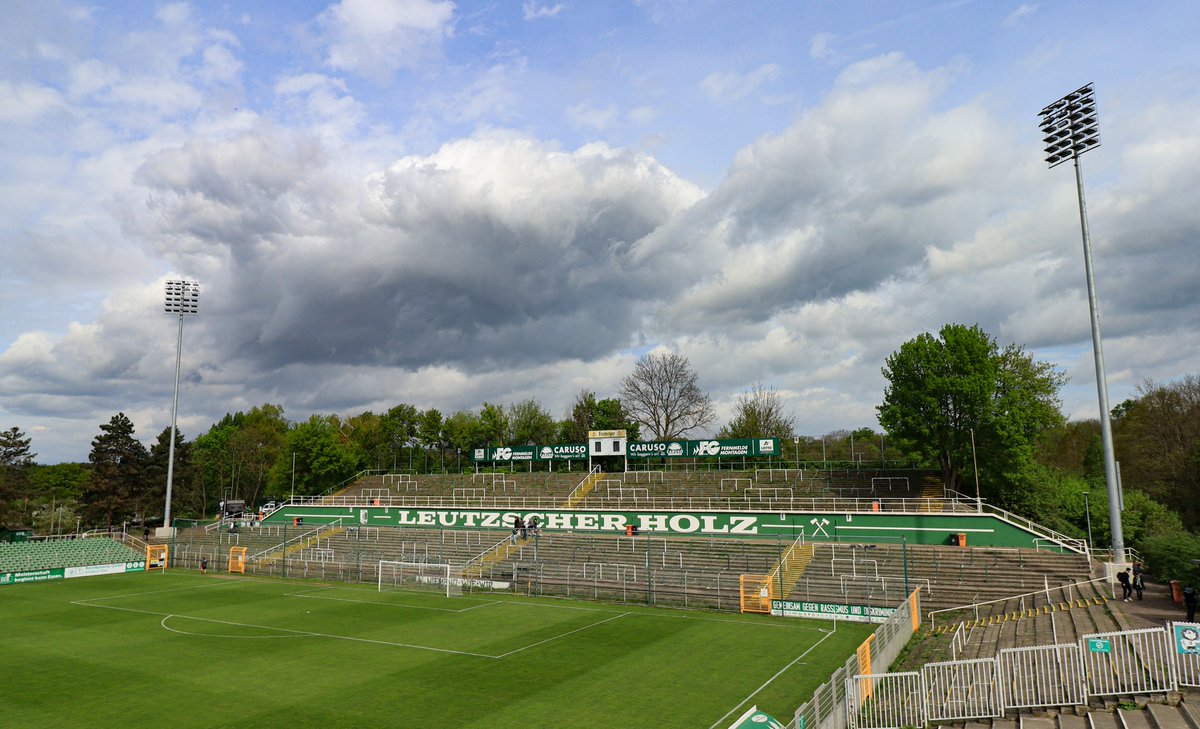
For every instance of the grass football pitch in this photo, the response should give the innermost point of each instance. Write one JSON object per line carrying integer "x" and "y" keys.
{"x": 187, "y": 650}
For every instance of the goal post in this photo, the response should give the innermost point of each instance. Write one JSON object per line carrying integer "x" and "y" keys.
{"x": 428, "y": 576}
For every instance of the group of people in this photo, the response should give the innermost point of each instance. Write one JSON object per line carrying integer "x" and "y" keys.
{"x": 525, "y": 529}
{"x": 1131, "y": 581}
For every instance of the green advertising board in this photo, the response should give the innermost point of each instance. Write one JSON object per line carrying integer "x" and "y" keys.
{"x": 67, "y": 573}
{"x": 727, "y": 448}
{"x": 985, "y": 530}
{"x": 508, "y": 454}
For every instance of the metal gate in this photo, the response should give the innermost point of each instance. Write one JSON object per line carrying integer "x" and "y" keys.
{"x": 884, "y": 701}
{"x": 1127, "y": 662}
{"x": 956, "y": 690}
{"x": 1047, "y": 675}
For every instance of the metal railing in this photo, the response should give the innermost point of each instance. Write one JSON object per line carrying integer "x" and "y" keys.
{"x": 1149, "y": 661}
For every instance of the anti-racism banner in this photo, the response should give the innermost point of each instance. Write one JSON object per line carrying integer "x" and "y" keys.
{"x": 831, "y": 611}
{"x": 727, "y": 448}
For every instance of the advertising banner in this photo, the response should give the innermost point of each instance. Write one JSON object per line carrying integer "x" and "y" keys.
{"x": 831, "y": 611}
{"x": 66, "y": 573}
{"x": 507, "y": 454}
{"x": 727, "y": 448}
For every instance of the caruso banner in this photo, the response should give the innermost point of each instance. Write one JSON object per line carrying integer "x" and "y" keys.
{"x": 728, "y": 448}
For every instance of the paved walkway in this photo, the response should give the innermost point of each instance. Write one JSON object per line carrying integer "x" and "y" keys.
{"x": 1155, "y": 608}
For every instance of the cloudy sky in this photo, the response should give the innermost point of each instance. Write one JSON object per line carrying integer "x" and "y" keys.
{"x": 442, "y": 203}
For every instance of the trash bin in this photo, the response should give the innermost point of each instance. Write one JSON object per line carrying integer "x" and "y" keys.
{"x": 1176, "y": 592}
{"x": 954, "y": 540}
{"x": 962, "y": 540}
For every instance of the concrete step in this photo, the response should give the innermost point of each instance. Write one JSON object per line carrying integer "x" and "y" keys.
{"x": 1135, "y": 719}
{"x": 1102, "y": 720}
{"x": 1167, "y": 717}
{"x": 1071, "y": 721}
{"x": 1029, "y": 721}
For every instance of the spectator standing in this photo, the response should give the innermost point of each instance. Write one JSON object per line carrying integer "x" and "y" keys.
{"x": 1126, "y": 587}
{"x": 204, "y": 565}
{"x": 517, "y": 528}
{"x": 1189, "y": 599}
{"x": 1138, "y": 585}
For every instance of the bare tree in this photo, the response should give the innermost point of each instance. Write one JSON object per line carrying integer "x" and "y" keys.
{"x": 663, "y": 393}
{"x": 758, "y": 414}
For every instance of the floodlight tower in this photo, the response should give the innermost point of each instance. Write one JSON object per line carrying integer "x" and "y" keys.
{"x": 1069, "y": 128}
{"x": 183, "y": 299}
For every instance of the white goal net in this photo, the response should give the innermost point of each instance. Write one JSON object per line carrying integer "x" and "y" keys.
{"x": 427, "y": 576}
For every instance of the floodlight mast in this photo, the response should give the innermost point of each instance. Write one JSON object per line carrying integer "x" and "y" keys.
{"x": 1069, "y": 129}
{"x": 182, "y": 299}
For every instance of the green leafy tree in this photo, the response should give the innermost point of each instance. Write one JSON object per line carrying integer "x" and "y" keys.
{"x": 151, "y": 500}
{"x": 431, "y": 435}
{"x": 530, "y": 424}
{"x": 400, "y": 432}
{"x": 463, "y": 434}
{"x": 1157, "y": 439}
{"x": 941, "y": 389}
{"x": 324, "y": 458}
{"x": 118, "y": 470}
{"x": 759, "y": 413}
{"x": 370, "y": 437}
{"x": 16, "y": 462}
{"x": 55, "y": 494}
{"x": 493, "y": 423}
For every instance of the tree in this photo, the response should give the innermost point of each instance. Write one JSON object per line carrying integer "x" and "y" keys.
{"x": 152, "y": 496}
{"x": 463, "y": 432}
{"x": 759, "y": 414}
{"x": 493, "y": 424}
{"x": 118, "y": 466}
{"x": 324, "y": 458}
{"x": 530, "y": 424}
{"x": 663, "y": 393}
{"x": 431, "y": 434}
{"x": 400, "y": 432}
{"x": 940, "y": 389}
{"x": 1157, "y": 438}
{"x": 16, "y": 461}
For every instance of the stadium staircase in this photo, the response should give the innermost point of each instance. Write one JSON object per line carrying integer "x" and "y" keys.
{"x": 790, "y": 568}
{"x": 933, "y": 490}
{"x": 298, "y": 544}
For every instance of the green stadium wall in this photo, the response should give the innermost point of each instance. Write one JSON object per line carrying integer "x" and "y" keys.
{"x": 980, "y": 530}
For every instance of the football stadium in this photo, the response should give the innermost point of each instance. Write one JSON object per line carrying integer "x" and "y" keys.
{"x": 707, "y": 586}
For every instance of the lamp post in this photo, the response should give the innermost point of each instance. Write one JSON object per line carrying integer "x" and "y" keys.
{"x": 1087, "y": 508}
{"x": 1069, "y": 129}
{"x": 183, "y": 299}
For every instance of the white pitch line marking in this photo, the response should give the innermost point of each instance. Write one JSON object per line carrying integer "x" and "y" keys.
{"x": 562, "y": 635}
{"x": 297, "y": 633}
{"x": 779, "y": 673}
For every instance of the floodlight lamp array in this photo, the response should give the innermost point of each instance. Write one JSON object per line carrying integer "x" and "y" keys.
{"x": 1069, "y": 126}
{"x": 183, "y": 297}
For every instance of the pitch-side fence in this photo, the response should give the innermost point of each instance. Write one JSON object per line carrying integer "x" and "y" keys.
{"x": 827, "y": 708}
{"x": 1124, "y": 663}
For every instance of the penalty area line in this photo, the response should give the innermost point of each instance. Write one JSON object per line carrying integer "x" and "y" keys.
{"x": 562, "y": 635}
{"x": 295, "y": 633}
